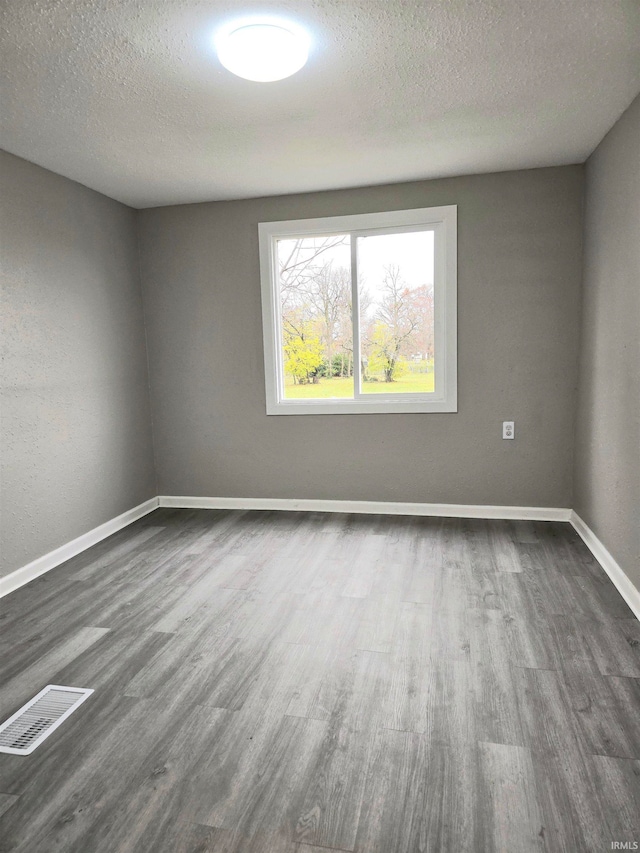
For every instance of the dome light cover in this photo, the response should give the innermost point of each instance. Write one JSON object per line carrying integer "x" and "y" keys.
{"x": 262, "y": 51}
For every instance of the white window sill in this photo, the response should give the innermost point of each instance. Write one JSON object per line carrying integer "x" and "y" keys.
{"x": 361, "y": 407}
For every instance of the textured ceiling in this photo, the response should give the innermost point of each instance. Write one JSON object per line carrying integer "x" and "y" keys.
{"x": 127, "y": 96}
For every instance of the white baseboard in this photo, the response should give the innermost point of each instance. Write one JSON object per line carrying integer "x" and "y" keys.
{"x": 376, "y": 507}
{"x": 618, "y": 577}
{"x": 49, "y": 561}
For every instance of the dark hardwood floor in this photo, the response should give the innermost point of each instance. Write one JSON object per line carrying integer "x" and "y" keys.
{"x": 297, "y": 682}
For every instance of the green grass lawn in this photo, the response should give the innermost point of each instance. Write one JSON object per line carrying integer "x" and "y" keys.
{"x": 410, "y": 383}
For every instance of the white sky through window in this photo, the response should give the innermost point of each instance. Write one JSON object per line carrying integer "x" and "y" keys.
{"x": 411, "y": 251}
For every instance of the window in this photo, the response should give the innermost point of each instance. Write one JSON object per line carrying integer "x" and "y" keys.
{"x": 359, "y": 313}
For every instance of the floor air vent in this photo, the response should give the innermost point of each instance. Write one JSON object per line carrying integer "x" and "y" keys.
{"x": 35, "y": 721}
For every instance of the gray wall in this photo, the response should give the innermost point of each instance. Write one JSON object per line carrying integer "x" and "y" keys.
{"x": 607, "y": 458}
{"x": 519, "y": 248}
{"x": 76, "y": 446}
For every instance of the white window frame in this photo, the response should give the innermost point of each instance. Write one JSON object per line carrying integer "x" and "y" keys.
{"x": 443, "y": 221}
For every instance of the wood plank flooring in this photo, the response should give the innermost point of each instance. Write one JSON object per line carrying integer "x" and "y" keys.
{"x": 304, "y": 682}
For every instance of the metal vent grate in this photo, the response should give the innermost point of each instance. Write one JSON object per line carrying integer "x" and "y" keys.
{"x": 35, "y": 721}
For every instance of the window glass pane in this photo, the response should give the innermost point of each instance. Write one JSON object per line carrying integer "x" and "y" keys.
{"x": 395, "y": 291}
{"x": 315, "y": 317}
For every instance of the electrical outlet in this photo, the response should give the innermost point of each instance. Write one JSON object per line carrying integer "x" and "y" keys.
{"x": 508, "y": 429}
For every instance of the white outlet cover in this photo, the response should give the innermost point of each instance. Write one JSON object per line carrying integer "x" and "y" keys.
{"x": 508, "y": 429}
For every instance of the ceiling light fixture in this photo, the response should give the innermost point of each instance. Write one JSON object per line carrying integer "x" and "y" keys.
{"x": 262, "y": 51}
